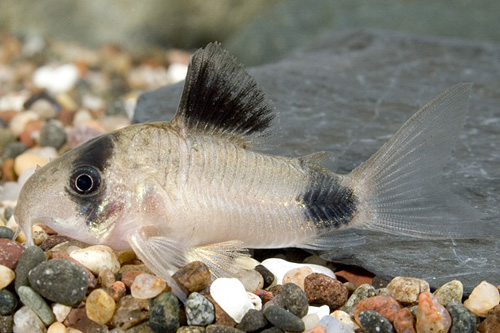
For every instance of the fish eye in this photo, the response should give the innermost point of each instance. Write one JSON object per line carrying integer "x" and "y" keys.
{"x": 85, "y": 180}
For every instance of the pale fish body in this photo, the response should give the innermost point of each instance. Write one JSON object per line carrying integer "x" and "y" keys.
{"x": 192, "y": 189}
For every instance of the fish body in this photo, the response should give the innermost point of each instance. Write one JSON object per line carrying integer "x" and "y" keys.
{"x": 193, "y": 188}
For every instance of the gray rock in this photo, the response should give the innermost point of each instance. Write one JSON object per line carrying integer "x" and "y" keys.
{"x": 6, "y": 137}
{"x": 462, "y": 320}
{"x": 164, "y": 316}
{"x": 199, "y": 310}
{"x": 283, "y": 319}
{"x": 8, "y": 302}
{"x": 364, "y": 291}
{"x": 6, "y": 232}
{"x": 59, "y": 281}
{"x": 13, "y": 149}
{"x": 36, "y": 303}
{"x": 221, "y": 329}
{"x": 295, "y": 299}
{"x": 6, "y": 324}
{"x": 52, "y": 135}
{"x": 252, "y": 321}
{"x": 373, "y": 322}
{"x": 8, "y": 213}
{"x": 31, "y": 257}
{"x": 348, "y": 93}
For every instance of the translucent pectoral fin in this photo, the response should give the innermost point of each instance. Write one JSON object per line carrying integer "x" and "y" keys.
{"x": 161, "y": 254}
{"x": 221, "y": 258}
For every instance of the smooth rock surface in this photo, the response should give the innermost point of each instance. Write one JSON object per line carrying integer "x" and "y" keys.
{"x": 36, "y": 303}
{"x": 348, "y": 93}
{"x": 232, "y": 297}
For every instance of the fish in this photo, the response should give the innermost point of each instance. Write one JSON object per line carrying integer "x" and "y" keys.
{"x": 197, "y": 187}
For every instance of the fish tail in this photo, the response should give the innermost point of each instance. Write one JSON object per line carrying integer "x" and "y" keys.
{"x": 399, "y": 189}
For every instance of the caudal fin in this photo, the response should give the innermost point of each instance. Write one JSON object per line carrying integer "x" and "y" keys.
{"x": 400, "y": 189}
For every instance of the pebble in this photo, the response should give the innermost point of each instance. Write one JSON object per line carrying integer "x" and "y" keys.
{"x": 251, "y": 280}
{"x": 252, "y": 321}
{"x": 406, "y": 289}
{"x": 147, "y": 286}
{"x": 364, "y": 291}
{"x": 232, "y": 297}
{"x": 106, "y": 278}
{"x": 321, "y": 311}
{"x": 221, "y": 329}
{"x": 345, "y": 319}
{"x": 8, "y": 302}
{"x": 164, "y": 315}
{"x": 322, "y": 289}
{"x": 96, "y": 257}
{"x": 56, "y": 79}
{"x": 59, "y": 281}
{"x": 191, "y": 329}
{"x": 25, "y": 320}
{"x": 283, "y": 319}
{"x": 52, "y": 241}
{"x": 100, "y": 307}
{"x": 36, "y": 303}
{"x": 81, "y": 134}
{"x": 255, "y": 300}
{"x": 117, "y": 290}
{"x": 387, "y": 306}
{"x": 199, "y": 310}
{"x": 6, "y": 232}
{"x": 294, "y": 299}
{"x": 130, "y": 311}
{"x": 297, "y": 276}
{"x": 431, "y": 316}
{"x": 6, "y": 137}
{"x": 27, "y": 161}
{"x": 19, "y": 121}
{"x": 52, "y": 134}
{"x": 450, "y": 292}
{"x": 373, "y": 322}
{"x": 221, "y": 317}
{"x": 482, "y": 299}
{"x": 7, "y": 275}
{"x": 279, "y": 267}
{"x": 60, "y": 311}
{"x": 333, "y": 325}
{"x": 462, "y": 321}
{"x": 267, "y": 275}
{"x": 6, "y": 324}
{"x": 129, "y": 277}
{"x": 404, "y": 321}
{"x": 39, "y": 234}
{"x": 491, "y": 324}
{"x": 31, "y": 257}
{"x": 10, "y": 252}
{"x": 310, "y": 321}
{"x": 92, "y": 281}
{"x": 193, "y": 277}
{"x": 57, "y": 327}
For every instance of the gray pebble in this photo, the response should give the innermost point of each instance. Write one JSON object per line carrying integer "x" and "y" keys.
{"x": 8, "y": 302}
{"x": 6, "y": 324}
{"x": 191, "y": 329}
{"x": 6, "y": 137}
{"x": 295, "y": 299}
{"x": 252, "y": 321}
{"x": 221, "y": 329}
{"x": 463, "y": 321}
{"x": 52, "y": 135}
{"x": 283, "y": 319}
{"x": 36, "y": 303}
{"x": 31, "y": 257}
{"x": 164, "y": 316}
{"x": 6, "y": 232}
{"x": 362, "y": 292}
{"x": 199, "y": 310}
{"x": 266, "y": 274}
{"x": 59, "y": 281}
{"x": 273, "y": 329}
{"x": 13, "y": 149}
{"x": 373, "y": 322}
{"x": 8, "y": 212}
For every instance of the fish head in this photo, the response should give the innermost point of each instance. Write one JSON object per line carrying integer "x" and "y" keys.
{"x": 77, "y": 194}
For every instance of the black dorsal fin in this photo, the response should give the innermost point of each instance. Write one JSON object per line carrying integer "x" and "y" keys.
{"x": 221, "y": 98}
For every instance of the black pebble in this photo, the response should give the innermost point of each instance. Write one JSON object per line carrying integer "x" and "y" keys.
{"x": 373, "y": 322}
{"x": 295, "y": 299}
{"x": 266, "y": 274}
{"x": 8, "y": 302}
{"x": 165, "y": 316}
{"x": 252, "y": 321}
{"x": 6, "y": 232}
{"x": 463, "y": 321}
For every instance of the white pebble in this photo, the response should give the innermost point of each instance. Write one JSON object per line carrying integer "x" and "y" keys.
{"x": 321, "y": 311}
{"x": 255, "y": 300}
{"x": 19, "y": 121}
{"x": 232, "y": 297}
{"x": 310, "y": 321}
{"x": 7, "y": 275}
{"x": 147, "y": 286}
{"x": 333, "y": 325}
{"x": 279, "y": 267}
{"x": 297, "y": 276}
{"x": 176, "y": 72}
{"x": 25, "y": 320}
{"x": 56, "y": 79}
{"x": 60, "y": 311}
{"x": 14, "y": 101}
{"x": 345, "y": 319}
{"x": 482, "y": 299}
{"x": 26, "y": 161}
{"x": 96, "y": 257}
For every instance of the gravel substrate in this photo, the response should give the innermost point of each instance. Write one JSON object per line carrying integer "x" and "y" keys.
{"x": 56, "y": 96}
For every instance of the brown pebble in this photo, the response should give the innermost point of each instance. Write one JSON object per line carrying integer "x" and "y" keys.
{"x": 128, "y": 278}
{"x": 135, "y": 267}
{"x": 106, "y": 278}
{"x": 53, "y": 240}
{"x": 130, "y": 311}
{"x": 126, "y": 256}
{"x": 322, "y": 289}
{"x": 387, "y": 306}
{"x": 66, "y": 117}
{"x": 27, "y": 137}
{"x": 491, "y": 324}
{"x": 431, "y": 316}
{"x": 221, "y": 317}
{"x": 8, "y": 173}
{"x": 10, "y": 252}
{"x": 7, "y": 115}
{"x": 193, "y": 277}
{"x": 404, "y": 322}
{"x": 117, "y": 290}
{"x": 63, "y": 256}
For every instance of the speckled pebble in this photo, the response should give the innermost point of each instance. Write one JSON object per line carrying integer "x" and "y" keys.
{"x": 7, "y": 275}
{"x": 232, "y": 297}
{"x": 190, "y": 329}
{"x": 431, "y": 316}
{"x": 364, "y": 291}
{"x": 482, "y": 299}
{"x": 252, "y": 321}
{"x": 130, "y": 311}
{"x": 451, "y": 292}
{"x": 117, "y": 290}
{"x": 92, "y": 281}
{"x": 199, "y": 310}
{"x": 96, "y": 257}
{"x": 8, "y": 302}
{"x": 106, "y": 278}
{"x": 192, "y": 277}
{"x": 100, "y": 307}
{"x": 373, "y": 322}
{"x": 221, "y": 329}
{"x": 267, "y": 275}
{"x": 283, "y": 319}
{"x": 406, "y": 289}
{"x": 404, "y": 321}
{"x": 25, "y": 320}
{"x": 321, "y": 289}
{"x": 164, "y": 317}
{"x": 491, "y": 324}
{"x": 36, "y": 303}
{"x": 10, "y": 252}
{"x": 387, "y": 306}
{"x": 52, "y": 134}
{"x": 462, "y": 321}
{"x": 6, "y": 324}
{"x": 39, "y": 234}
{"x": 31, "y": 257}
{"x": 147, "y": 286}
{"x": 6, "y": 232}
{"x": 59, "y": 281}
{"x": 295, "y": 299}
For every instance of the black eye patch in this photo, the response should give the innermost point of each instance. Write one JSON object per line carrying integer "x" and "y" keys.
{"x": 85, "y": 180}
